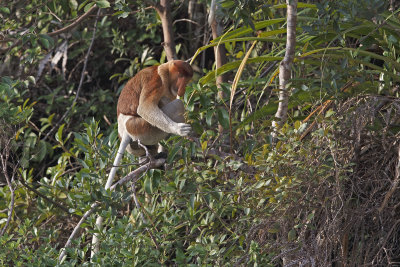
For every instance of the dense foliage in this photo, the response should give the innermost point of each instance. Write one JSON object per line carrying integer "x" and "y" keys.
{"x": 323, "y": 191}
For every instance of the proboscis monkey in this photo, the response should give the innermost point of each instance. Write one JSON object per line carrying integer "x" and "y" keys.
{"x": 147, "y": 108}
{"x": 148, "y": 111}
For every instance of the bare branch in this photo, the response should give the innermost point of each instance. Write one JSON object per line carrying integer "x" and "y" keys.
{"x": 76, "y": 229}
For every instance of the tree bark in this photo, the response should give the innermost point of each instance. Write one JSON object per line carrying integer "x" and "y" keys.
{"x": 164, "y": 11}
{"x": 219, "y": 50}
{"x": 286, "y": 64}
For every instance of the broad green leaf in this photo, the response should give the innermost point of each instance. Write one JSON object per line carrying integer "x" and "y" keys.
{"x": 46, "y": 41}
{"x": 42, "y": 151}
{"x": 209, "y": 116}
{"x": 82, "y": 4}
{"x": 59, "y": 133}
{"x": 5, "y": 10}
{"x": 103, "y": 3}
{"x": 204, "y": 145}
{"x": 329, "y": 113}
{"x": 73, "y": 4}
{"x": 173, "y": 153}
{"x": 297, "y": 125}
{"x": 223, "y": 117}
{"x": 291, "y": 235}
{"x": 88, "y": 6}
{"x": 148, "y": 185}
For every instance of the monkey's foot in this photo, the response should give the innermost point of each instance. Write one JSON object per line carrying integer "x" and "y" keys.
{"x": 161, "y": 155}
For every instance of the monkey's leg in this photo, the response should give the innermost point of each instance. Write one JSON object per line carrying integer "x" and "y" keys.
{"x": 99, "y": 221}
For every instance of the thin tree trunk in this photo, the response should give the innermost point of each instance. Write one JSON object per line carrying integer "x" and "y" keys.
{"x": 286, "y": 64}
{"x": 164, "y": 11}
{"x": 219, "y": 51}
{"x": 284, "y": 76}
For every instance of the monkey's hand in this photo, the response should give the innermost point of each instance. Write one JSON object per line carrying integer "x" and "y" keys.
{"x": 182, "y": 129}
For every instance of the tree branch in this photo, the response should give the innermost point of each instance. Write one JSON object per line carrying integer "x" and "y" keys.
{"x": 75, "y": 231}
{"x": 57, "y": 32}
{"x": 164, "y": 11}
{"x": 75, "y": 23}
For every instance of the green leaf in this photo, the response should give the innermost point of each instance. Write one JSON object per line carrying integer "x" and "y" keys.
{"x": 329, "y": 113}
{"x": 42, "y": 151}
{"x": 73, "y": 4}
{"x": 82, "y": 4}
{"x": 223, "y": 117}
{"x": 103, "y": 3}
{"x": 192, "y": 200}
{"x": 148, "y": 185}
{"x": 204, "y": 145}
{"x": 209, "y": 116}
{"x": 31, "y": 79}
{"x": 88, "y": 6}
{"x": 59, "y": 134}
{"x": 292, "y": 235}
{"x": 172, "y": 154}
{"x": 5, "y": 10}
{"x": 46, "y": 41}
{"x": 297, "y": 125}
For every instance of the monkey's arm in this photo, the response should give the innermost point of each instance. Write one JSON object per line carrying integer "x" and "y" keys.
{"x": 148, "y": 109}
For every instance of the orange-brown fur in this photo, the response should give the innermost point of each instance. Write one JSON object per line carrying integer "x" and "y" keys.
{"x": 146, "y": 94}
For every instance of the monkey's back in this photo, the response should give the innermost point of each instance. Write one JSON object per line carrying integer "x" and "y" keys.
{"x": 128, "y": 100}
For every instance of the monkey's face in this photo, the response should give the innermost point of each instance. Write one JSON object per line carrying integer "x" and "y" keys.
{"x": 180, "y": 73}
{"x": 181, "y": 83}
{"x": 178, "y": 82}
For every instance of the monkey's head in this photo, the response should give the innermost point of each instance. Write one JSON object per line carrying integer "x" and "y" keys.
{"x": 180, "y": 73}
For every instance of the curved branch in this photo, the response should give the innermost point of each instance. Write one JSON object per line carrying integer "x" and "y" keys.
{"x": 75, "y": 23}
